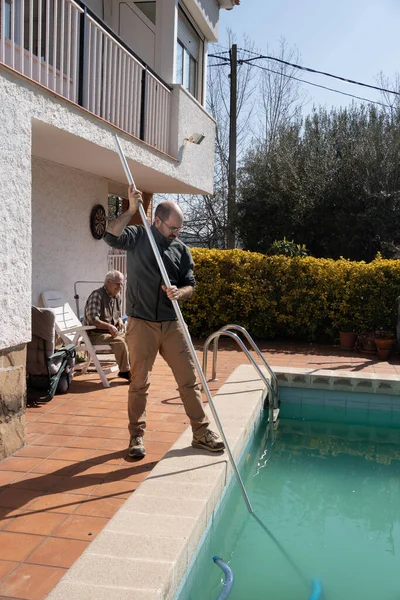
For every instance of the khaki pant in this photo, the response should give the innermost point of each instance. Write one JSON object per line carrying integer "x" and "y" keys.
{"x": 118, "y": 346}
{"x": 145, "y": 339}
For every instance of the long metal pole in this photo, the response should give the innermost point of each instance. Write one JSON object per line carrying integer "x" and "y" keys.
{"x": 179, "y": 315}
{"x": 201, "y": 375}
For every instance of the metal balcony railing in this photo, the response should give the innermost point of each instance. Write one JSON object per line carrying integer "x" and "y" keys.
{"x": 66, "y": 48}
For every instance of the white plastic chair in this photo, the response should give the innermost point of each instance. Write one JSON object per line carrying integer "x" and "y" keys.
{"x": 71, "y": 331}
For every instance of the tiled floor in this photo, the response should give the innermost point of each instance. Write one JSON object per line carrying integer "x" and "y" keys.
{"x": 59, "y": 491}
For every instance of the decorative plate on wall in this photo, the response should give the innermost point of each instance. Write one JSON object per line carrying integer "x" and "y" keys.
{"x": 98, "y": 221}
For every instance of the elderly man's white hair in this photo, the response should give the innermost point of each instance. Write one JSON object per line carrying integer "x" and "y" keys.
{"x": 113, "y": 276}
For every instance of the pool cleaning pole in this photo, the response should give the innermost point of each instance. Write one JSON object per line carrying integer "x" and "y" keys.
{"x": 201, "y": 375}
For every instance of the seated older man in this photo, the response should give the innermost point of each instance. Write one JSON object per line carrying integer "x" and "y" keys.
{"x": 103, "y": 310}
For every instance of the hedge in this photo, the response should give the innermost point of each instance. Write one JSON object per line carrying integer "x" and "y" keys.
{"x": 303, "y": 298}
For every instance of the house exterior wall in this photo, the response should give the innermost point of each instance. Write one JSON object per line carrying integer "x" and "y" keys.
{"x": 63, "y": 249}
{"x": 156, "y": 44}
{"x": 22, "y": 103}
{"x": 15, "y": 221}
{"x": 186, "y": 117}
{"x": 166, "y": 36}
{"x": 12, "y": 399}
{"x": 97, "y": 7}
{"x": 46, "y": 198}
{"x": 138, "y": 32}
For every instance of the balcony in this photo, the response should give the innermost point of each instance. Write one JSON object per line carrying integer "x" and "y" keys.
{"x": 63, "y": 46}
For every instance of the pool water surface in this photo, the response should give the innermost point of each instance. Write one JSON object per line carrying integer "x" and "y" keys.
{"x": 330, "y": 495}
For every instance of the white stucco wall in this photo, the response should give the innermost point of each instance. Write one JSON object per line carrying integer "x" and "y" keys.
{"x": 137, "y": 31}
{"x": 22, "y": 105}
{"x": 63, "y": 249}
{"x": 15, "y": 222}
{"x": 33, "y": 103}
{"x": 187, "y": 118}
{"x": 166, "y": 37}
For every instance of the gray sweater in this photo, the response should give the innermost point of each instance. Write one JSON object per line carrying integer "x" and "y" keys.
{"x": 145, "y": 297}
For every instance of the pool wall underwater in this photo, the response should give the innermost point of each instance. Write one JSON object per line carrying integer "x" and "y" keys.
{"x": 146, "y": 549}
{"x": 354, "y": 422}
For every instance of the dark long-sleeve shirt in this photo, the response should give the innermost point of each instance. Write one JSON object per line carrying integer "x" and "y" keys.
{"x": 145, "y": 297}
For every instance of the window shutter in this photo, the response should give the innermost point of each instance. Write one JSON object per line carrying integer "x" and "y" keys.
{"x": 188, "y": 36}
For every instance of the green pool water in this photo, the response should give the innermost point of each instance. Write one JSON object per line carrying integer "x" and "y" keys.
{"x": 330, "y": 495}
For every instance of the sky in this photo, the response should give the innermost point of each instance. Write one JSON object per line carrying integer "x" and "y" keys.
{"x": 355, "y": 39}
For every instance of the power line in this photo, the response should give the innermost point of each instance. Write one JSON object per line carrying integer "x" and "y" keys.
{"x": 225, "y": 51}
{"x": 223, "y": 64}
{"x": 219, "y": 56}
{"x": 320, "y": 86}
{"x": 324, "y": 87}
{"x": 309, "y": 69}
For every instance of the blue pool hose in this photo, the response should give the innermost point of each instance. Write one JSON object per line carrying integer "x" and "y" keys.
{"x": 228, "y": 583}
{"x": 316, "y": 590}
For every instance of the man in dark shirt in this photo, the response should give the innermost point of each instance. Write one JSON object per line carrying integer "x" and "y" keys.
{"x": 153, "y": 326}
{"x": 103, "y": 310}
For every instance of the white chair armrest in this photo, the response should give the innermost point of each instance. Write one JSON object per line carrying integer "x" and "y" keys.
{"x": 80, "y": 328}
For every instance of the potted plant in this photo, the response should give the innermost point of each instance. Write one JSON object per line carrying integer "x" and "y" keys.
{"x": 384, "y": 341}
{"x": 366, "y": 342}
{"x": 347, "y": 338}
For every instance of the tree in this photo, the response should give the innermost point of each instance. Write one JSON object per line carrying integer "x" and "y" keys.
{"x": 332, "y": 182}
{"x": 281, "y": 96}
{"x": 276, "y": 97}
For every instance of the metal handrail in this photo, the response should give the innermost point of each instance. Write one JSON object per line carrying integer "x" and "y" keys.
{"x": 235, "y": 337}
{"x": 273, "y": 390}
{"x": 256, "y": 349}
{"x": 111, "y": 33}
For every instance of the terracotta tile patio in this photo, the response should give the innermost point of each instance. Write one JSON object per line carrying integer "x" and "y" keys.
{"x": 59, "y": 491}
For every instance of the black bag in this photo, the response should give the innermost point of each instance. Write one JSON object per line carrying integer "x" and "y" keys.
{"x": 60, "y": 371}
{"x": 66, "y": 356}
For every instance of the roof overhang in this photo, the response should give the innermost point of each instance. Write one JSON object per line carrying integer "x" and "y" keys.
{"x": 69, "y": 150}
{"x": 228, "y": 4}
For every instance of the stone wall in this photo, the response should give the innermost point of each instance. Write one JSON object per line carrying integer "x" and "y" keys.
{"x": 12, "y": 399}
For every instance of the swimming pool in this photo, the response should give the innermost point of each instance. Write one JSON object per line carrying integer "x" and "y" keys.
{"x": 329, "y": 490}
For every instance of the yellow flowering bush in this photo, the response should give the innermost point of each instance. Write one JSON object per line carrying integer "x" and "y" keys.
{"x": 305, "y": 298}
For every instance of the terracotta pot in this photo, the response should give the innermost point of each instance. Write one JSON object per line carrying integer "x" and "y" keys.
{"x": 347, "y": 339}
{"x": 384, "y": 347}
{"x": 366, "y": 343}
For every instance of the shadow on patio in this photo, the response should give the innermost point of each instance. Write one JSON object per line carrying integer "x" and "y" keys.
{"x": 60, "y": 490}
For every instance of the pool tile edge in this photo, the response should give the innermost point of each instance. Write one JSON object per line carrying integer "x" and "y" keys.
{"x": 337, "y": 380}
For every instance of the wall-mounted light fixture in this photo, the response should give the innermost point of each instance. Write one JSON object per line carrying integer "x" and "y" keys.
{"x": 196, "y": 138}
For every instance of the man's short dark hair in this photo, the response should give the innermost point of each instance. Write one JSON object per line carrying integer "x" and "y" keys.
{"x": 163, "y": 210}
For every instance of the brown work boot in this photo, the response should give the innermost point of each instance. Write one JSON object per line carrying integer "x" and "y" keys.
{"x": 136, "y": 447}
{"x": 209, "y": 441}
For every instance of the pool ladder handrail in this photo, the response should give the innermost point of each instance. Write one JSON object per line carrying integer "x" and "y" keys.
{"x": 274, "y": 398}
{"x": 225, "y": 330}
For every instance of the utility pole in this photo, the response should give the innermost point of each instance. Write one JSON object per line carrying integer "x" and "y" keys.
{"x": 231, "y": 215}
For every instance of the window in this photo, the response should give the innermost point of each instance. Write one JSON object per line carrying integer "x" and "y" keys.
{"x": 188, "y": 55}
{"x": 186, "y": 69}
{"x": 149, "y": 9}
